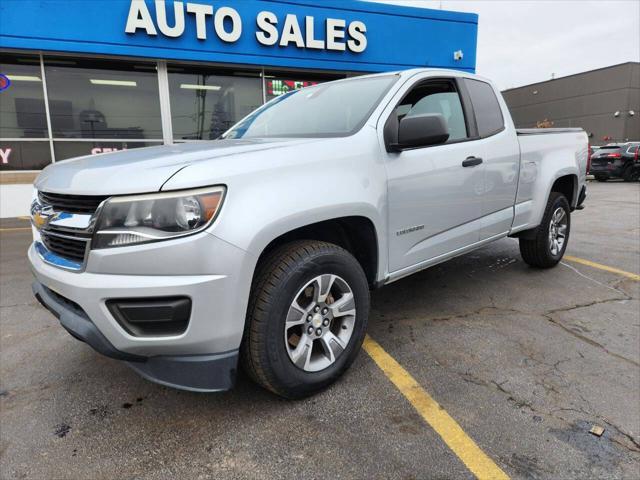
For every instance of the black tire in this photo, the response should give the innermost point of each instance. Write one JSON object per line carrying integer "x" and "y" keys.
{"x": 279, "y": 277}
{"x": 627, "y": 173}
{"x": 601, "y": 179}
{"x": 535, "y": 248}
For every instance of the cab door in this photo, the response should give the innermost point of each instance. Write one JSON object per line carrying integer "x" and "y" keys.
{"x": 434, "y": 193}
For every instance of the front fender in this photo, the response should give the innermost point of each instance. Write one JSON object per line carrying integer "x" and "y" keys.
{"x": 271, "y": 193}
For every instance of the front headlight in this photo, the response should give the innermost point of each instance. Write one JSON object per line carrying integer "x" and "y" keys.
{"x": 137, "y": 219}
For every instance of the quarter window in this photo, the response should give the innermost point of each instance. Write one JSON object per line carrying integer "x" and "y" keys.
{"x": 485, "y": 106}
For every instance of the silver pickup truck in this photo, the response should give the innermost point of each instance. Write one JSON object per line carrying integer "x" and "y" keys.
{"x": 262, "y": 247}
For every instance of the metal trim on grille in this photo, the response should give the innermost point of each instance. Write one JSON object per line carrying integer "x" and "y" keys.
{"x": 74, "y": 204}
{"x": 69, "y": 220}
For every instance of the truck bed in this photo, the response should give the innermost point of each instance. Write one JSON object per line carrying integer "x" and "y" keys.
{"x": 547, "y": 154}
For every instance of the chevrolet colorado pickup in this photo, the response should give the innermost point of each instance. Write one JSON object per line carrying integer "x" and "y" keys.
{"x": 261, "y": 248}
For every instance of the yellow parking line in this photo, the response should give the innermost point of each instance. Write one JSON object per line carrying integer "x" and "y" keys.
{"x": 14, "y": 229}
{"x": 599, "y": 266}
{"x": 456, "y": 439}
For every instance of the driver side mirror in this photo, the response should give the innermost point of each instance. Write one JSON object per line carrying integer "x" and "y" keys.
{"x": 421, "y": 131}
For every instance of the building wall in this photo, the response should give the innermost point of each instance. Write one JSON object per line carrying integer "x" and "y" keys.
{"x": 587, "y": 100}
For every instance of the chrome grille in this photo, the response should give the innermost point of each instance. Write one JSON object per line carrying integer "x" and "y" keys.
{"x": 65, "y": 224}
{"x": 85, "y": 204}
{"x": 71, "y": 247}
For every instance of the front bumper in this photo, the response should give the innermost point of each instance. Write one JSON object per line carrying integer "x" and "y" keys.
{"x": 204, "y": 357}
{"x": 200, "y": 373}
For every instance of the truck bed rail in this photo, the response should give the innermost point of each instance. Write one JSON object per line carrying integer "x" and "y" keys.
{"x": 546, "y": 131}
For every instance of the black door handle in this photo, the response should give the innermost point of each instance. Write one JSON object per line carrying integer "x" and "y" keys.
{"x": 472, "y": 162}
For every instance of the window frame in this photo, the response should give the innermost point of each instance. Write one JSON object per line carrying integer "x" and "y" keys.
{"x": 465, "y": 101}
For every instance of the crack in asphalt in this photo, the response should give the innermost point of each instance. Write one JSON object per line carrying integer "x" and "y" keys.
{"x": 522, "y": 403}
{"x": 597, "y": 282}
{"x": 549, "y": 316}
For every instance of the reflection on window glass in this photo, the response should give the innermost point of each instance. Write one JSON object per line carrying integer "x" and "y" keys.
{"x": 22, "y": 112}
{"x": 103, "y": 99}
{"x": 326, "y": 110}
{"x": 438, "y": 97}
{"x": 279, "y": 86}
{"x": 67, "y": 150}
{"x": 205, "y": 103}
{"x": 279, "y": 83}
{"x": 24, "y": 155}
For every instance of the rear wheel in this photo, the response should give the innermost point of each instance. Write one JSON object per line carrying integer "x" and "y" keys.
{"x": 545, "y": 246}
{"x": 628, "y": 174}
{"x": 307, "y": 318}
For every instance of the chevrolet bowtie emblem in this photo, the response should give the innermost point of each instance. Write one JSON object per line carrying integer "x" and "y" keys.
{"x": 41, "y": 214}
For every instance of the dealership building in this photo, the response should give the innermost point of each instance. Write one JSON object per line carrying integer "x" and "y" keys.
{"x": 83, "y": 78}
{"x": 604, "y": 102}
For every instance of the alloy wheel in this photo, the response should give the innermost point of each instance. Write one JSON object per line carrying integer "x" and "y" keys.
{"x": 320, "y": 322}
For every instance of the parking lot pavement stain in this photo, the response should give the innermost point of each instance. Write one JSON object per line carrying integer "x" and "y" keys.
{"x": 61, "y": 430}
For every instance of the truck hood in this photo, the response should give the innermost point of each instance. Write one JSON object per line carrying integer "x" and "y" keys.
{"x": 146, "y": 169}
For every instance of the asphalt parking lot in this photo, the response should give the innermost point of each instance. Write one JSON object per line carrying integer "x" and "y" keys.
{"x": 525, "y": 361}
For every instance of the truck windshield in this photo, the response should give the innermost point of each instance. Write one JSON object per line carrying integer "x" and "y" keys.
{"x": 335, "y": 109}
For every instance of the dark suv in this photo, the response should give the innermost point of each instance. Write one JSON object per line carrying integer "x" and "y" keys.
{"x": 616, "y": 161}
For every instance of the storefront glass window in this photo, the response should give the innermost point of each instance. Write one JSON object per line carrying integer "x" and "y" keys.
{"x": 66, "y": 150}
{"x": 100, "y": 105}
{"x": 22, "y": 111}
{"x": 206, "y": 102}
{"x": 24, "y": 155}
{"x": 103, "y": 99}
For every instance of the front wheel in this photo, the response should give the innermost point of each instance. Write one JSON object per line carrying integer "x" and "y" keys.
{"x": 546, "y": 245}
{"x": 306, "y": 319}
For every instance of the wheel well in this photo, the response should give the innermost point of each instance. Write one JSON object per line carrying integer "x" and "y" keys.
{"x": 566, "y": 185}
{"x": 357, "y": 235}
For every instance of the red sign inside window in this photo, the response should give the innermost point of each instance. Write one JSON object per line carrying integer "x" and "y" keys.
{"x": 277, "y": 87}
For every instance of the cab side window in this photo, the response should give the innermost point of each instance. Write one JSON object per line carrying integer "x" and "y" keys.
{"x": 486, "y": 107}
{"x": 439, "y": 97}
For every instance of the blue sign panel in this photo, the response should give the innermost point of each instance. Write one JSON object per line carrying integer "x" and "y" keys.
{"x": 333, "y": 35}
